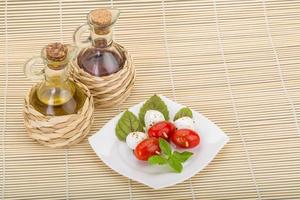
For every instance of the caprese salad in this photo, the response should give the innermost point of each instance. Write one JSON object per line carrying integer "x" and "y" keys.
{"x": 149, "y": 135}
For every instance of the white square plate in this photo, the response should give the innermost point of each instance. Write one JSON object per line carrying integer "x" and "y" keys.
{"x": 120, "y": 158}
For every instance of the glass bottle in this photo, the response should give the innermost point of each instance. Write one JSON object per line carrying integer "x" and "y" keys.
{"x": 99, "y": 55}
{"x": 56, "y": 95}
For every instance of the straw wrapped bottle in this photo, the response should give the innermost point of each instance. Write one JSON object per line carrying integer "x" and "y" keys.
{"x": 103, "y": 65}
{"x": 58, "y": 111}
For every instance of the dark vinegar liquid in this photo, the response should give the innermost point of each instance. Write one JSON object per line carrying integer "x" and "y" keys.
{"x": 69, "y": 107}
{"x": 99, "y": 62}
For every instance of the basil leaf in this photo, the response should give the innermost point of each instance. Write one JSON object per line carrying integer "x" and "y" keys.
{"x": 154, "y": 103}
{"x": 183, "y": 112}
{"x": 127, "y": 123}
{"x": 165, "y": 147}
{"x": 175, "y": 164}
{"x": 156, "y": 159}
{"x": 183, "y": 156}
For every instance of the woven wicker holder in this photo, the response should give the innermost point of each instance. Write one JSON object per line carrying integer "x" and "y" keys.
{"x": 59, "y": 131}
{"x": 108, "y": 90}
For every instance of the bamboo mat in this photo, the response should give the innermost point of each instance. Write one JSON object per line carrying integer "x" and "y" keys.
{"x": 235, "y": 61}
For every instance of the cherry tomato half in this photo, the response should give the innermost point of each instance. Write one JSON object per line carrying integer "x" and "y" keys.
{"x": 185, "y": 138}
{"x": 162, "y": 129}
{"x": 147, "y": 148}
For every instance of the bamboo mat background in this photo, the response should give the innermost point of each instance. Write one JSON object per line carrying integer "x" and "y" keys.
{"x": 235, "y": 61}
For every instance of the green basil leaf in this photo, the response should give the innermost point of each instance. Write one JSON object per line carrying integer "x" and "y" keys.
{"x": 183, "y": 112}
{"x": 154, "y": 103}
{"x": 175, "y": 164}
{"x": 165, "y": 147}
{"x": 183, "y": 156}
{"x": 157, "y": 159}
{"x": 127, "y": 123}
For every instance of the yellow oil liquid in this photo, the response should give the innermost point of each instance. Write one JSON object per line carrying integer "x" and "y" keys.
{"x": 56, "y": 99}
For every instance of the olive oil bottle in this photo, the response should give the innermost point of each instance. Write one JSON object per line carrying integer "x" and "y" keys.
{"x": 56, "y": 95}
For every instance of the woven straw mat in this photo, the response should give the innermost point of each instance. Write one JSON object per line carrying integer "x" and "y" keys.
{"x": 235, "y": 61}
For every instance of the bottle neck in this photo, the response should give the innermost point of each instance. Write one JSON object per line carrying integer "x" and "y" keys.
{"x": 101, "y": 38}
{"x": 56, "y": 75}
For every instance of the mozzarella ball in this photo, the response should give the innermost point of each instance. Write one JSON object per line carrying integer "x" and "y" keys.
{"x": 185, "y": 123}
{"x": 152, "y": 117}
{"x": 134, "y": 138}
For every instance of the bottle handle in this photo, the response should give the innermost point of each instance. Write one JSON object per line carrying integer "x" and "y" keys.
{"x": 34, "y": 73}
{"x": 78, "y": 33}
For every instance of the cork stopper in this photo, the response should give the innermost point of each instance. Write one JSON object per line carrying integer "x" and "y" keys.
{"x": 101, "y": 17}
{"x": 56, "y": 51}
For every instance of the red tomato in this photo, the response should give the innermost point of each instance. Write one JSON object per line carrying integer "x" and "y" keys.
{"x": 147, "y": 148}
{"x": 185, "y": 138}
{"x": 162, "y": 129}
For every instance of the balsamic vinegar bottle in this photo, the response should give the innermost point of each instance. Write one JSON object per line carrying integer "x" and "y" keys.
{"x": 99, "y": 55}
